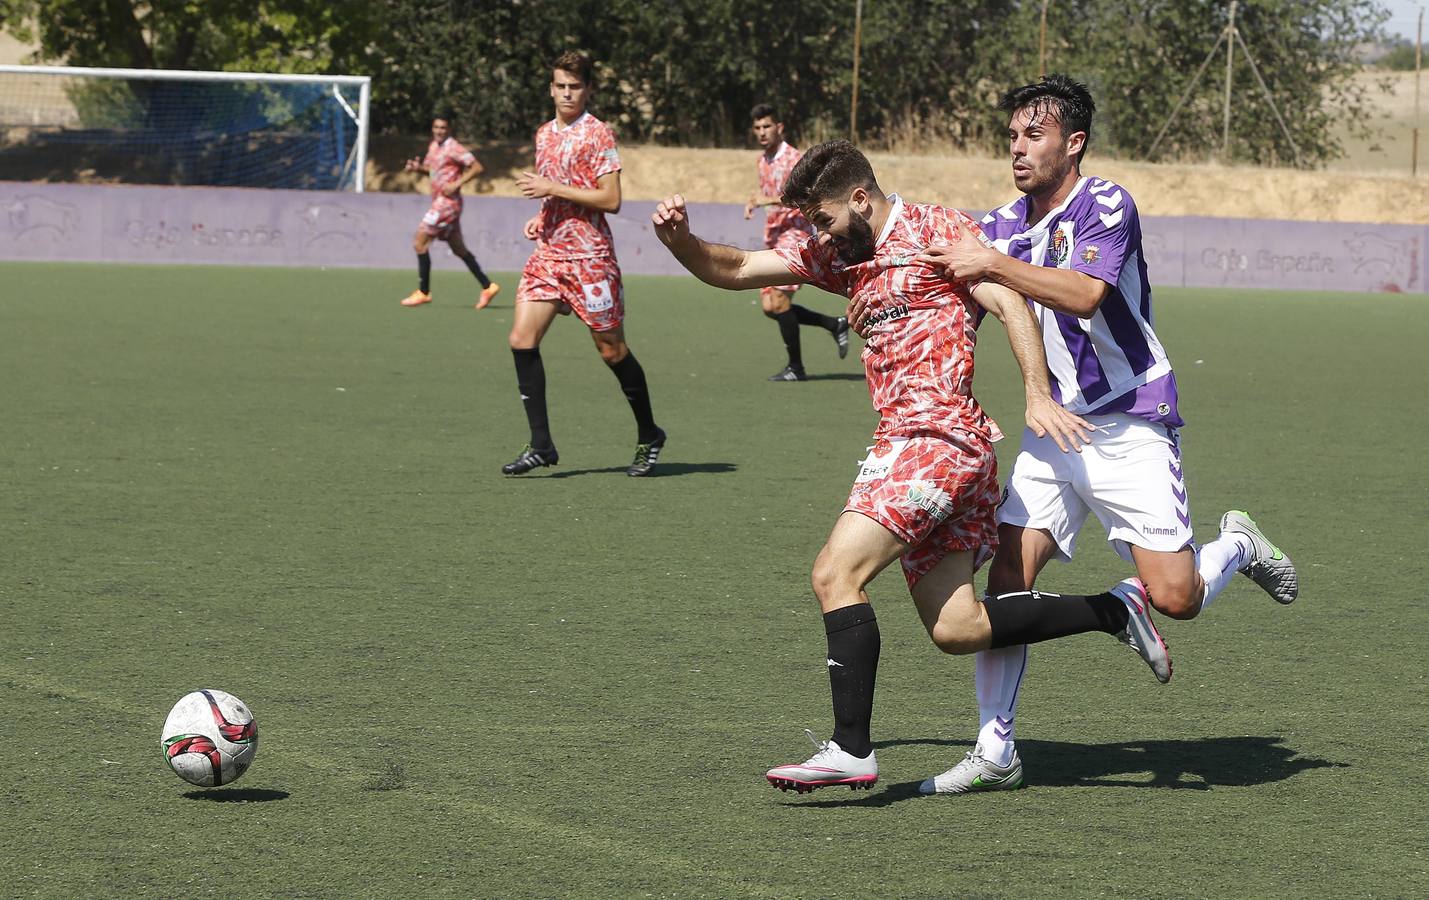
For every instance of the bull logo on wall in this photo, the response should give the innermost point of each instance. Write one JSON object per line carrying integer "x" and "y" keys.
{"x": 332, "y": 225}
{"x": 39, "y": 219}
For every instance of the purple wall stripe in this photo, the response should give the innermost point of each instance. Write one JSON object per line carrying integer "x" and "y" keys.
{"x": 236, "y": 226}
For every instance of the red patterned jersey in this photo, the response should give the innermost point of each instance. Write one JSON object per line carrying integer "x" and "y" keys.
{"x": 445, "y": 162}
{"x": 772, "y": 175}
{"x": 577, "y": 155}
{"x": 919, "y": 351}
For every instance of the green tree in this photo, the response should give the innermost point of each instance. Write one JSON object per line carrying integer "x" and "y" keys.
{"x": 1139, "y": 57}
{"x": 305, "y": 36}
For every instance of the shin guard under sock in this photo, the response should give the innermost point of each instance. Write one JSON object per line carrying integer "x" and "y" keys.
{"x": 632, "y": 384}
{"x": 531, "y": 380}
{"x": 1028, "y": 617}
{"x": 854, "y": 643}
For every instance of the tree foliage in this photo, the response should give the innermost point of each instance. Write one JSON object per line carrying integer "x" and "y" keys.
{"x": 687, "y": 71}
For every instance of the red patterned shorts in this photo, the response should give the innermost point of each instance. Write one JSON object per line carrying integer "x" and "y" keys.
{"x": 443, "y": 218}
{"x": 937, "y": 492}
{"x": 591, "y": 288}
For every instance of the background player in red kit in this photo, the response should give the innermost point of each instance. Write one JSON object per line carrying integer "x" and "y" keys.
{"x": 785, "y": 227}
{"x": 927, "y": 491}
{"x": 574, "y": 269}
{"x": 451, "y": 166}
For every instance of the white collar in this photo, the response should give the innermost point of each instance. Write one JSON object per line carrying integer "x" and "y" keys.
{"x": 556, "y": 122}
{"x": 1042, "y": 225}
{"x": 893, "y": 216}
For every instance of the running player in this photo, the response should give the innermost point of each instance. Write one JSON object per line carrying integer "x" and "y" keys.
{"x": 926, "y": 492}
{"x": 451, "y": 167}
{"x": 1073, "y": 245}
{"x": 573, "y": 269}
{"x": 785, "y": 227}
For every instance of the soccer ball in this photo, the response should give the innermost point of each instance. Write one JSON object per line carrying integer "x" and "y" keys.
{"x": 210, "y": 738}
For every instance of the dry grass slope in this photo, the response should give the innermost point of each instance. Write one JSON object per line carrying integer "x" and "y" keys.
{"x": 727, "y": 176}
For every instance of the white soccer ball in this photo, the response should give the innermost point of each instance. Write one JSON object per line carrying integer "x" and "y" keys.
{"x": 210, "y": 738}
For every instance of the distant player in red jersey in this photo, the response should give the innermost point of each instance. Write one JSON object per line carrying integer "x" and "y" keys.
{"x": 926, "y": 493}
{"x": 451, "y": 166}
{"x": 785, "y": 227}
{"x": 573, "y": 269}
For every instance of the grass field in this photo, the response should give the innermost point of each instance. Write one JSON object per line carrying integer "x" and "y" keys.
{"x": 281, "y": 484}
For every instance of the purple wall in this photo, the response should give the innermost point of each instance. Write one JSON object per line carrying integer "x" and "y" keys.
{"x": 104, "y": 223}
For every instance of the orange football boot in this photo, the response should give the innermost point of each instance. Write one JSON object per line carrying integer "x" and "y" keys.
{"x": 416, "y": 298}
{"x": 490, "y": 291}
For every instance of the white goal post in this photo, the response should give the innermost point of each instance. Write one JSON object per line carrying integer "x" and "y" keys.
{"x": 151, "y": 110}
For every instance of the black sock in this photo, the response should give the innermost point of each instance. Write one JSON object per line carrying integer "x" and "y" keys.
{"x": 1027, "y": 617}
{"x": 809, "y": 317}
{"x": 789, "y": 331}
{"x": 475, "y": 267}
{"x": 531, "y": 380}
{"x": 424, "y": 272}
{"x": 853, "y": 664}
{"x": 632, "y": 384}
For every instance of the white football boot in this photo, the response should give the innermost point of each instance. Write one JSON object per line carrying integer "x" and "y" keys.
{"x": 1268, "y": 567}
{"x": 1140, "y": 633}
{"x": 976, "y": 773}
{"x": 830, "y": 766}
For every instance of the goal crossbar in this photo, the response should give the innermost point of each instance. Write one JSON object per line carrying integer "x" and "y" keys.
{"x": 362, "y": 82}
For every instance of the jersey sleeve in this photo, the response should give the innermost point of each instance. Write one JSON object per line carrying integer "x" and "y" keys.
{"x": 461, "y": 155}
{"x": 808, "y": 262}
{"x": 1105, "y": 231}
{"x": 605, "y": 155}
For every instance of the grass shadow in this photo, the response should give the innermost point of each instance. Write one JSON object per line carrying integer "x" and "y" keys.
{"x": 1199, "y": 764}
{"x": 237, "y": 795}
{"x": 838, "y": 376}
{"x": 662, "y": 470}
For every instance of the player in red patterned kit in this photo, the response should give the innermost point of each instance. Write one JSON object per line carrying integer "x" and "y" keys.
{"x": 785, "y": 227}
{"x": 451, "y": 166}
{"x": 926, "y": 493}
{"x": 577, "y": 179}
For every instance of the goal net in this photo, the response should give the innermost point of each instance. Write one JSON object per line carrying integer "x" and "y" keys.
{"x": 152, "y": 126}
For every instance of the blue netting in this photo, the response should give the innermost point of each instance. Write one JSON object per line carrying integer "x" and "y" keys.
{"x": 204, "y": 133}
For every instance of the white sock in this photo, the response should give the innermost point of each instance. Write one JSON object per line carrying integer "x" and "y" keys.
{"x": 1219, "y": 560}
{"x": 999, "y": 677}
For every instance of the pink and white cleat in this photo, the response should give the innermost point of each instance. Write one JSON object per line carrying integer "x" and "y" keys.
{"x": 830, "y": 766}
{"x": 1140, "y": 633}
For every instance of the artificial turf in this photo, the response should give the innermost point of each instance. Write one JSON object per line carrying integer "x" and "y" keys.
{"x": 281, "y": 484}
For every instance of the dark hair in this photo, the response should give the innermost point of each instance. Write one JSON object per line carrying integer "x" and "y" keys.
{"x": 1069, "y": 101}
{"x": 829, "y": 171}
{"x": 578, "y": 64}
{"x": 446, "y": 115}
{"x": 763, "y": 111}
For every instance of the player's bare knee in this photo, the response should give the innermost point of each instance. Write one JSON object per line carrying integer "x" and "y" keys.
{"x": 612, "y": 352}
{"x": 956, "y": 637}
{"x": 1176, "y": 599}
{"x": 832, "y": 580}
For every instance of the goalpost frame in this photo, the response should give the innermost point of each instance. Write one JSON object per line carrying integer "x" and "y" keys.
{"x": 362, "y": 82}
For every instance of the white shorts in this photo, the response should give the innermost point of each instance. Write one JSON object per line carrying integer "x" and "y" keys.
{"x": 1130, "y": 476}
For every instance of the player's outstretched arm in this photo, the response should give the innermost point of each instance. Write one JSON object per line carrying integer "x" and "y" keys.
{"x": 1044, "y": 415}
{"x": 717, "y": 264}
{"x": 604, "y": 197}
{"x": 1064, "y": 290}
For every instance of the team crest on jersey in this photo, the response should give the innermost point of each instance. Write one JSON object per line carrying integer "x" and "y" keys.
{"x": 1091, "y": 253}
{"x": 1058, "y": 250}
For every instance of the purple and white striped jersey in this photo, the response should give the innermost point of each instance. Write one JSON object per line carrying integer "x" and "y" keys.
{"x": 1113, "y": 361}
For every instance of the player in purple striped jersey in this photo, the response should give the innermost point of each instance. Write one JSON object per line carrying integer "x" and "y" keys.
{"x": 1072, "y": 244}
